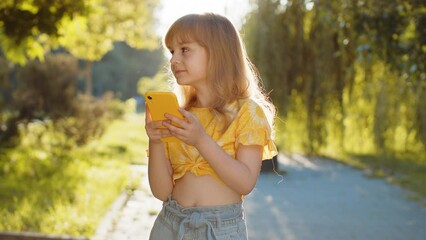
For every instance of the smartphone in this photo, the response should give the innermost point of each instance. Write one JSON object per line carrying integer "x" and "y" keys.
{"x": 160, "y": 103}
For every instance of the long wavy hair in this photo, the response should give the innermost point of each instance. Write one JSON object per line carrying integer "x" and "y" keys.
{"x": 231, "y": 75}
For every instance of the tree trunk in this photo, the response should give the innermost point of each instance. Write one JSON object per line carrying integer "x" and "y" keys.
{"x": 88, "y": 78}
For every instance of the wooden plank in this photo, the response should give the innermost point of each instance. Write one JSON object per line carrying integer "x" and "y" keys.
{"x": 36, "y": 236}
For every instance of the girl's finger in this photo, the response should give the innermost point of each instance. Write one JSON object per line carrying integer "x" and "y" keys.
{"x": 148, "y": 117}
{"x": 187, "y": 115}
{"x": 156, "y": 124}
{"x": 165, "y": 133}
{"x": 173, "y": 129}
{"x": 181, "y": 122}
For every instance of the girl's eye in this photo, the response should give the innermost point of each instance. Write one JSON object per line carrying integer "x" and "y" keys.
{"x": 185, "y": 49}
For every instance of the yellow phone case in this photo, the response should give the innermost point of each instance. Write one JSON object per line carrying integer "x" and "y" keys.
{"x": 160, "y": 103}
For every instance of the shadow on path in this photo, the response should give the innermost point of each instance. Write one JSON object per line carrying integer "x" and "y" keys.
{"x": 323, "y": 199}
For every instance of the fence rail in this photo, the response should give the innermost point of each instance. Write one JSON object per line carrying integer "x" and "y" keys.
{"x": 36, "y": 236}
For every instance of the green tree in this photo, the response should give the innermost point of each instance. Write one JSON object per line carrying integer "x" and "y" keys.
{"x": 120, "y": 69}
{"x": 157, "y": 83}
{"x": 347, "y": 70}
{"x": 46, "y": 90}
{"x": 87, "y": 29}
{"x": 28, "y": 27}
{"x": 91, "y": 37}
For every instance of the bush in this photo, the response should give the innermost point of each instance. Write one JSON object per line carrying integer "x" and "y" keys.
{"x": 47, "y": 92}
{"x": 90, "y": 117}
{"x": 48, "y": 89}
{"x": 49, "y": 185}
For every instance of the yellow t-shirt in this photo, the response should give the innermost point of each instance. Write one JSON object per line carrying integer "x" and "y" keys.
{"x": 249, "y": 127}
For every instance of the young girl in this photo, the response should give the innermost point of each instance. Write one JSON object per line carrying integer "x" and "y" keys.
{"x": 226, "y": 133}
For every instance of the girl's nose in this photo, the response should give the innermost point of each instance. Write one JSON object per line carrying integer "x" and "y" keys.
{"x": 174, "y": 60}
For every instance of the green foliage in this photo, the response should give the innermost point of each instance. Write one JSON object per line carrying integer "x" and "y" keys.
{"x": 45, "y": 181}
{"x": 90, "y": 117}
{"x": 91, "y": 37}
{"x": 35, "y": 17}
{"x": 157, "y": 83}
{"x": 50, "y": 185}
{"x": 4, "y": 72}
{"x": 86, "y": 29}
{"x": 29, "y": 29}
{"x": 47, "y": 92}
{"x": 351, "y": 72}
{"x": 125, "y": 138}
{"x": 47, "y": 89}
{"x": 120, "y": 69}
{"x": 348, "y": 78}
{"x": 25, "y": 25}
{"x": 405, "y": 169}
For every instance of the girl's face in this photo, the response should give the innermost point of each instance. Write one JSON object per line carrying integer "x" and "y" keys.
{"x": 189, "y": 63}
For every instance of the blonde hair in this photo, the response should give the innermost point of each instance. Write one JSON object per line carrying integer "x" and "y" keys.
{"x": 231, "y": 75}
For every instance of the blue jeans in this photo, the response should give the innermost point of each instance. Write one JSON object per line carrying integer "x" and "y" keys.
{"x": 176, "y": 222}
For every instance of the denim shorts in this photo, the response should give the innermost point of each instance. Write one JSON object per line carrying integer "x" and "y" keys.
{"x": 176, "y": 222}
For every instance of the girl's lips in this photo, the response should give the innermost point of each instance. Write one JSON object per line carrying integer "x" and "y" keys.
{"x": 179, "y": 71}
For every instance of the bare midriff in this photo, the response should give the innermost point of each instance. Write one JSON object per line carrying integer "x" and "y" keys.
{"x": 194, "y": 191}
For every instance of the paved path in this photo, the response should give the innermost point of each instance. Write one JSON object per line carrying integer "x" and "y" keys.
{"x": 317, "y": 199}
{"x": 321, "y": 199}
{"x": 131, "y": 218}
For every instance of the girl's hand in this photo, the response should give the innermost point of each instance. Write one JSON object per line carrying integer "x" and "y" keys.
{"x": 191, "y": 131}
{"x": 153, "y": 130}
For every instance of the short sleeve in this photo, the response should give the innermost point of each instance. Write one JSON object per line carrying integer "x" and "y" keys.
{"x": 253, "y": 129}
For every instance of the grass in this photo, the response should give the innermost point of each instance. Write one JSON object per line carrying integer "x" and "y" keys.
{"x": 50, "y": 186}
{"x": 407, "y": 170}
{"x": 125, "y": 139}
{"x": 404, "y": 164}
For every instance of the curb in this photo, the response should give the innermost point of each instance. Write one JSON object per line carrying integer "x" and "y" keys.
{"x": 36, "y": 236}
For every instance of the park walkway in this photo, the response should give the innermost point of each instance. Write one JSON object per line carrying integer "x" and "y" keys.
{"x": 317, "y": 199}
{"x": 131, "y": 217}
